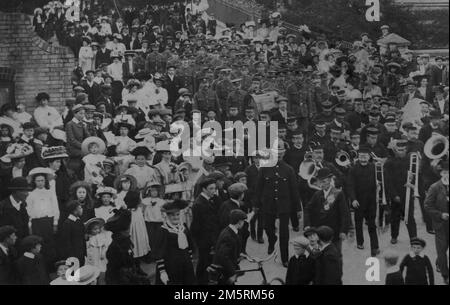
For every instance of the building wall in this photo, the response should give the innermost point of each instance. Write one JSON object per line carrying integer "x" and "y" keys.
{"x": 38, "y": 66}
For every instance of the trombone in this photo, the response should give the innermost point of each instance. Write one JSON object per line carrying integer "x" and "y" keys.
{"x": 413, "y": 180}
{"x": 380, "y": 195}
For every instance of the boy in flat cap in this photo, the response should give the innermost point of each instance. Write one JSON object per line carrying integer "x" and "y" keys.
{"x": 229, "y": 245}
{"x": 418, "y": 266}
{"x": 301, "y": 266}
{"x": 237, "y": 193}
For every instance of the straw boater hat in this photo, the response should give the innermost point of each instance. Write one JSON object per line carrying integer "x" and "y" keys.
{"x": 85, "y": 145}
{"x": 41, "y": 171}
{"x": 92, "y": 222}
{"x": 87, "y": 274}
{"x": 126, "y": 177}
{"x": 106, "y": 190}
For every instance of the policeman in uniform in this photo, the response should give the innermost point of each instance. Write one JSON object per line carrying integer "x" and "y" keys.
{"x": 224, "y": 87}
{"x": 372, "y": 142}
{"x": 277, "y": 196}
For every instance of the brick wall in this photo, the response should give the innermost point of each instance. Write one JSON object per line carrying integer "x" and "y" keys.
{"x": 38, "y": 66}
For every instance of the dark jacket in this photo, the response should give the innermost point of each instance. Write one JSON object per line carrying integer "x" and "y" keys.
{"x": 102, "y": 57}
{"x": 394, "y": 278}
{"x": 276, "y": 189}
{"x": 328, "y": 267}
{"x": 9, "y": 215}
{"x": 300, "y": 271}
{"x": 395, "y": 176}
{"x": 73, "y": 242}
{"x": 31, "y": 271}
{"x": 205, "y": 222}
{"x": 361, "y": 186}
{"x": 76, "y": 133}
{"x": 436, "y": 203}
{"x": 337, "y": 216}
{"x": 121, "y": 264}
{"x": 228, "y": 249}
{"x": 7, "y": 270}
{"x": 93, "y": 91}
{"x": 418, "y": 270}
{"x": 172, "y": 87}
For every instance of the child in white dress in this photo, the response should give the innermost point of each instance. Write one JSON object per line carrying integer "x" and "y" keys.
{"x": 138, "y": 231}
{"x": 152, "y": 204}
{"x": 93, "y": 160}
{"x": 106, "y": 202}
{"x": 123, "y": 185}
{"x": 140, "y": 169}
{"x": 97, "y": 245}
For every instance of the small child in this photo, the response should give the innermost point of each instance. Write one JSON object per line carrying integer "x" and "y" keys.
{"x": 313, "y": 238}
{"x": 418, "y": 266}
{"x": 30, "y": 267}
{"x": 93, "y": 160}
{"x": 393, "y": 274}
{"x": 61, "y": 269}
{"x": 138, "y": 230}
{"x": 106, "y": 203}
{"x": 152, "y": 211}
{"x": 140, "y": 170}
{"x": 97, "y": 244}
{"x": 123, "y": 185}
{"x": 301, "y": 267}
{"x": 108, "y": 172}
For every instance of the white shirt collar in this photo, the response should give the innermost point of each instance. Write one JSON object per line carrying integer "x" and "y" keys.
{"x": 15, "y": 203}
{"x": 29, "y": 255}
{"x": 413, "y": 255}
{"x": 6, "y": 250}
{"x": 206, "y": 196}
{"x": 75, "y": 120}
{"x": 324, "y": 246}
{"x": 233, "y": 228}
{"x": 73, "y": 218}
{"x": 325, "y": 193}
{"x": 306, "y": 254}
{"x": 236, "y": 201}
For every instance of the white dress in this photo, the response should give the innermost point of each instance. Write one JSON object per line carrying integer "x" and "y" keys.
{"x": 91, "y": 169}
{"x": 96, "y": 248}
{"x": 138, "y": 233}
{"x": 85, "y": 58}
{"x": 105, "y": 212}
{"x": 142, "y": 174}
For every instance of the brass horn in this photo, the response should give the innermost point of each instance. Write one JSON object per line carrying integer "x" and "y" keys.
{"x": 343, "y": 159}
{"x": 307, "y": 167}
{"x": 436, "y": 147}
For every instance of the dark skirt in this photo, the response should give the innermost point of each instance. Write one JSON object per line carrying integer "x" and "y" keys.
{"x": 153, "y": 231}
{"x": 43, "y": 227}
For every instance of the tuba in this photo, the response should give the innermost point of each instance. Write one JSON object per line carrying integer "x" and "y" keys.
{"x": 436, "y": 147}
{"x": 308, "y": 170}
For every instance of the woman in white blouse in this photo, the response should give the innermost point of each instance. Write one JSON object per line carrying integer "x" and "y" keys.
{"x": 42, "y": 208}
{"x": 86, "y": 55}
{"x": 46, "y": 116}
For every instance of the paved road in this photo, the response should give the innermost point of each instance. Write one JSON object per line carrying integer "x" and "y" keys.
{"x": 353, "y": 258}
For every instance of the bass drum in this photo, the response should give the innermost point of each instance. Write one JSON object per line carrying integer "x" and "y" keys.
{"x": 265, "y": 101}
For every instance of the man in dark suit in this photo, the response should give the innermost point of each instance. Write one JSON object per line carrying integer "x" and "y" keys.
{"x": 13, "y": 210}
{"x": 329, "y": 265}
{"x": 236, "y": 192}
{"x": 328, "y": 207}
{"x": 280, "y": 114}
{"x": 205, "y": 226}
{"x": 277, "y": 196}
{"x": 229, "y": 245}
{"x": 103, "y": 55}
{"x": 256, "y": 223}
{"x": 130, "y": 67}
{"x": 433, "y": 126}
{"x": 72, "y": 235}
{"x": 105, "y": 98}
{"x": 30, "y": 266}
{"x": 436, "y": 205}
{"x": 92, "y": 88}
{"x": 76, "y": 132}
{"x": 8, "y": 239}
{"x": 361, "y": 188}
{"x": 172, "y": 83}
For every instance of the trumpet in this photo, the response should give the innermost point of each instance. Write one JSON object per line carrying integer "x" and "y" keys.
{"x": 413, "y": 179}
{"x": 380, "y": 195}
{"x": 308, "y": 170}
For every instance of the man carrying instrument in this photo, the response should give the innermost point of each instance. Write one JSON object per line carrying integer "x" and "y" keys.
{"x": 362, "y": 191}
{"x": 396, "y": 175}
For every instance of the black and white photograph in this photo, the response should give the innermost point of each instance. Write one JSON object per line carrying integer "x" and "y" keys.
{"x": 221, "y": 144}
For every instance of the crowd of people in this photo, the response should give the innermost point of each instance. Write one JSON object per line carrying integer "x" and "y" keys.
{"x": 99, "y": 181}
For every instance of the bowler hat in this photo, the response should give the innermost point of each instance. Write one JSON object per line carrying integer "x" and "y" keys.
{"x": 324, "y": 173}
{"x": 174, "y": 206}
{"x": 19, "y": 184}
